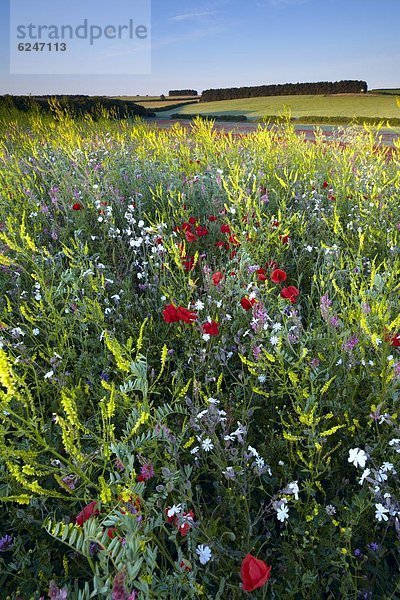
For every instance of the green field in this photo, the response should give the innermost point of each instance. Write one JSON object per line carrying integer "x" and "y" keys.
{"x": 357, "y": 105}
{"x": 391, "y": 91}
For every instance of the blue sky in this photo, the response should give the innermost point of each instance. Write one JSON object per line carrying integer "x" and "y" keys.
{"x": 223, "y": 43}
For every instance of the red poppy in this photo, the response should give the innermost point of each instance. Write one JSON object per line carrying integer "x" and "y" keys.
{"x": 201, "y": 231}
{"x": 169, "y": 519}
{"x": 272, "y": 264}
{"x": 212, "y": 218}
{"x": 186, "y": 525}
{"x": 170, "y": 314}
{"x": 247, "y": 304}
{"x": 76, "y": 206}
{"x": 261, "y": 274}
{"x": 217, "y": 278}
{"x": 284, "y": 239}
{"x": 185, "y": 315}
{"x": 225, "y": 229}
{"x": 278, "y": 276}
{"x": 395, "y": 340}
{"x": 192, "y": 220}
{"x": 254, "y": 573}
{"x": 325, "y": 184}
{"x": 275, "y": 224}
{"x": 211, "y": 328}
{"x": 290, "y": 293}
{"x": 90, "y": 510}
{"x": 185, "y": 565}
{"x": 221, "y": 245}
{"x": 186, "y": 227}
{"x": 190, "y": 237}
{"x": 188, "y": 264}
{"x": 111, "y": 532}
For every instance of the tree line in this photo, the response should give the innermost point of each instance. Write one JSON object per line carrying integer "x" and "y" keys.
{"x": 182, "y": 93}
{"x": 286, "y": 89}
{"x": 76, "y": 105}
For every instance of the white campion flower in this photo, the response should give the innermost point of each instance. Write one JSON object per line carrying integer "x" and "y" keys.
{"x": 49, "y": 375}
{"x": 282, "y": 513}
{"x": 357, "y": 457}
{"x": 293, "y": 488}
{"x": 253, "y": 451}
{"x": 201, "y": 414}
{"x": 199, "y": 305}
{"x": 365, "y": 474}
{"x": 395, "y": 442}
{"x": 204, "y": 553}
{"x": 174, "y": 510}
{"x": 381, "y": 512}
{"x": 387, "y": 466}
{"x": 213, "y": 401}
{"x": 207, "y": 445}
{"x": 241, "y": 430}
{"x": 274, "y": 340}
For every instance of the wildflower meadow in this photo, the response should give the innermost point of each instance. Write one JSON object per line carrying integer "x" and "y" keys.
{"x": 199, "y": 362}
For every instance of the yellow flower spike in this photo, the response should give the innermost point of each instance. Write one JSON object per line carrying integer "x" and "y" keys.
{"x": 344, "y": 551}
{"x": 105, "y": 491}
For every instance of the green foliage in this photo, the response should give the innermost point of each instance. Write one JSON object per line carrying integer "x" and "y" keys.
{"x": 128, "y": 443}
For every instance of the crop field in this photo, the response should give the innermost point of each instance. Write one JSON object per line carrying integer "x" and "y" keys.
{"x": 153, "y": 102}
{"x": 356, "y": 105}
{"x": 392, "y": 91}
{"x": 199, "y": 360}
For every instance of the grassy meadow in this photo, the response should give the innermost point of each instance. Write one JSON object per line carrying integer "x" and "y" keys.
{"x": 346, "y": 105}
{"x": 199, "y": 360}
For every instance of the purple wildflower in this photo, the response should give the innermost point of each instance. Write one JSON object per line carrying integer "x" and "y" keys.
{"x": 119, "y": 465}
{"x": 118, "y": 592}
{"x": 350, "y": 344}
{"x": 373, "y": 546}
{"x": 325, "y": 304}
{"x": 334, "y": 322}
{"x": 147, "y": 472}
{"x": 6, "y": 542}
{"x": 256, "y": 352}
{"x": 70, "y": 481}
{"x": 56, "y": 593}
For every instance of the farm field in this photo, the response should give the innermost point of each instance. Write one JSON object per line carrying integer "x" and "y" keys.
{"x": 393, "y": 91}
{"x": 153, "y": 102}
{"x": 362, "y": 105}
{"x": 199, "y": 362}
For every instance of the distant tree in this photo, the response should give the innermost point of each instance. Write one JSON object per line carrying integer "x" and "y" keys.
{"x": 162, "y": 97}
{"x": 183, "y": 93}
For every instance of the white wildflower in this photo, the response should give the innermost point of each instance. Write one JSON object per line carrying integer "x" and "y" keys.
{"x": 357, "y": 457}
{"x": 204, "y": 553}
{"x": 381, "y": 512}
